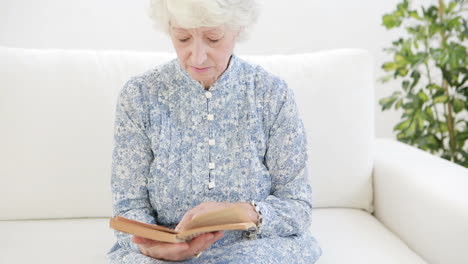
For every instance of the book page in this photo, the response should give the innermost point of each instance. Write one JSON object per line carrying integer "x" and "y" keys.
{"x": 151, "y": 226}
{"x": 230, "y": 215}
{"x": 191, "y": 233}
{"x": 136, "y": 228}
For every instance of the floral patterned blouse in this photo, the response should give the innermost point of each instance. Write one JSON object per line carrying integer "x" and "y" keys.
{"x": 178, "y": 145}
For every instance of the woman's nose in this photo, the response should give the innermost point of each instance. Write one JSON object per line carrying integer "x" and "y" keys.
{"x": 198, "y": 56}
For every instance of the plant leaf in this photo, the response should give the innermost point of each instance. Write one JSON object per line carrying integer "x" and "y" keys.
{"x": 398, "y": 104}
{"x": 431, "y": 141}
{"x": 401, "y": 72}
{"x": 429, "y": 114}
{"x": 451, "y": 7}
{"x": 419, "y": 122}
{"x": 414, "y": 14}
{"x": 441, "y": 99}
{"x": 387, "y": 102}
{"x": 458, "y": 105}
{"x": 399, "y": 59}
{"x": 402, "y": 125}
{"x": 416, "y": 76}
{"x": 423, "y": 96}
{"x": 405, "y": 84}
{"x": 389, "y": 66}
{"x": 411, "y": 130}
{"x": 461, "y": 137}
{"x": 385, "y": 79}
{"x": 433, "y": 86}
{"x": 390, "y": 21}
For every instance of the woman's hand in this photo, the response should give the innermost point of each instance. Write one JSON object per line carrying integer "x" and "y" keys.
{"x": 213, "y": 206}
{"x": 186, "y": 250}
{"x": 176, "y": 251}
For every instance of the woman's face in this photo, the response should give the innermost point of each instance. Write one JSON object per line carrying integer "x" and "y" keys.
{"x": 204, "y": 52}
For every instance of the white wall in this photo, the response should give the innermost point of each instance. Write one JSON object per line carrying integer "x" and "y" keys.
{"x": 293, "y": 26}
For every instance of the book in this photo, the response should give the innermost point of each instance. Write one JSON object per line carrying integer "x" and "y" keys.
{"x": 231, "y": 218}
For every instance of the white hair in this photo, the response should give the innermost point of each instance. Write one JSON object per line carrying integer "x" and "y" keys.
{"x": 235, "y": 14}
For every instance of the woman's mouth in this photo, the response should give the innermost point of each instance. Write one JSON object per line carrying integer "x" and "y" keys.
{"x": 200, "y": 70}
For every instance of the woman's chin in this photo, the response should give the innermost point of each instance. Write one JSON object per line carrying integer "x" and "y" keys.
{"x": 201, "y": 78}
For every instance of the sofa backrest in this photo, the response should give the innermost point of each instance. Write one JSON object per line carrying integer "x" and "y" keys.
{"x": 57, "y": 111}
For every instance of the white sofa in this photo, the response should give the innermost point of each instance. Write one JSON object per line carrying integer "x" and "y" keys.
{"x": 376, "y": 200}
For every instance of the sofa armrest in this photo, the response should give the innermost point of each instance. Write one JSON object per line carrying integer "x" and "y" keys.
{"x": 423, "y": 199}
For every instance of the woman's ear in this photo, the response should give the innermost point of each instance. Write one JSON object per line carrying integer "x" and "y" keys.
{"x": 238, "y": 33}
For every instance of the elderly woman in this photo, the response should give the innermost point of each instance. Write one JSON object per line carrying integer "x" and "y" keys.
{"x": 209, "y": 131}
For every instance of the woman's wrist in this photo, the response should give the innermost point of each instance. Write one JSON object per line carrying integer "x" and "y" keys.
{"x": 254, "y": 214}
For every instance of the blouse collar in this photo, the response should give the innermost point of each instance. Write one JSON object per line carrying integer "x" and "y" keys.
{"x": 228, "y": 75}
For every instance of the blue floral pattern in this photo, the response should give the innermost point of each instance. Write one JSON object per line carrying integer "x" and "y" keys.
{"x": 178, "y": 145}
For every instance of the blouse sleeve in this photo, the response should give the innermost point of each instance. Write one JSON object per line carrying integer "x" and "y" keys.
{"x": 131, "y": 159}
{"x": 287, "y": 210}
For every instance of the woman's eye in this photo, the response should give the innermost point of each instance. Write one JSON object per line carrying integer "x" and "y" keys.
{"x": 184, "y": 40}
{"x": 214, "y": 40}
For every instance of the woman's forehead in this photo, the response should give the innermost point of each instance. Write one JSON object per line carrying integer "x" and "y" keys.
{"x": 218, "y": 29}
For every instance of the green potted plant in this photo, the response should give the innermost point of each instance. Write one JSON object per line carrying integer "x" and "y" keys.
{"x": 431, "y": 61}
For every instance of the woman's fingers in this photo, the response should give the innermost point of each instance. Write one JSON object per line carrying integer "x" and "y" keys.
{"x": 201, "y": 209}
{"x": 203, "y": 242}
{"x": 176, "y": 251}
{"x": 182, "y": 251}
{"x": 172, "y": 251}
{"x": 188, "y": 216}
{"x": 161, "y": 250}
{"x": 143, "y": 241}
{"x": 200, "y": 243}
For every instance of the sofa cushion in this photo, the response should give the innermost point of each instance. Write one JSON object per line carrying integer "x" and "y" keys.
{"x": 355, "y": 236}
{"x": 334, "y": 94}
{"x": 345, "y": 236}
{"x": 57, "y": 112}
{"x": 71, "y": 241}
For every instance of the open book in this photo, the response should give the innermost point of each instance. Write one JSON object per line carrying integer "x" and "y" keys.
{"x": 231, "y": 218}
